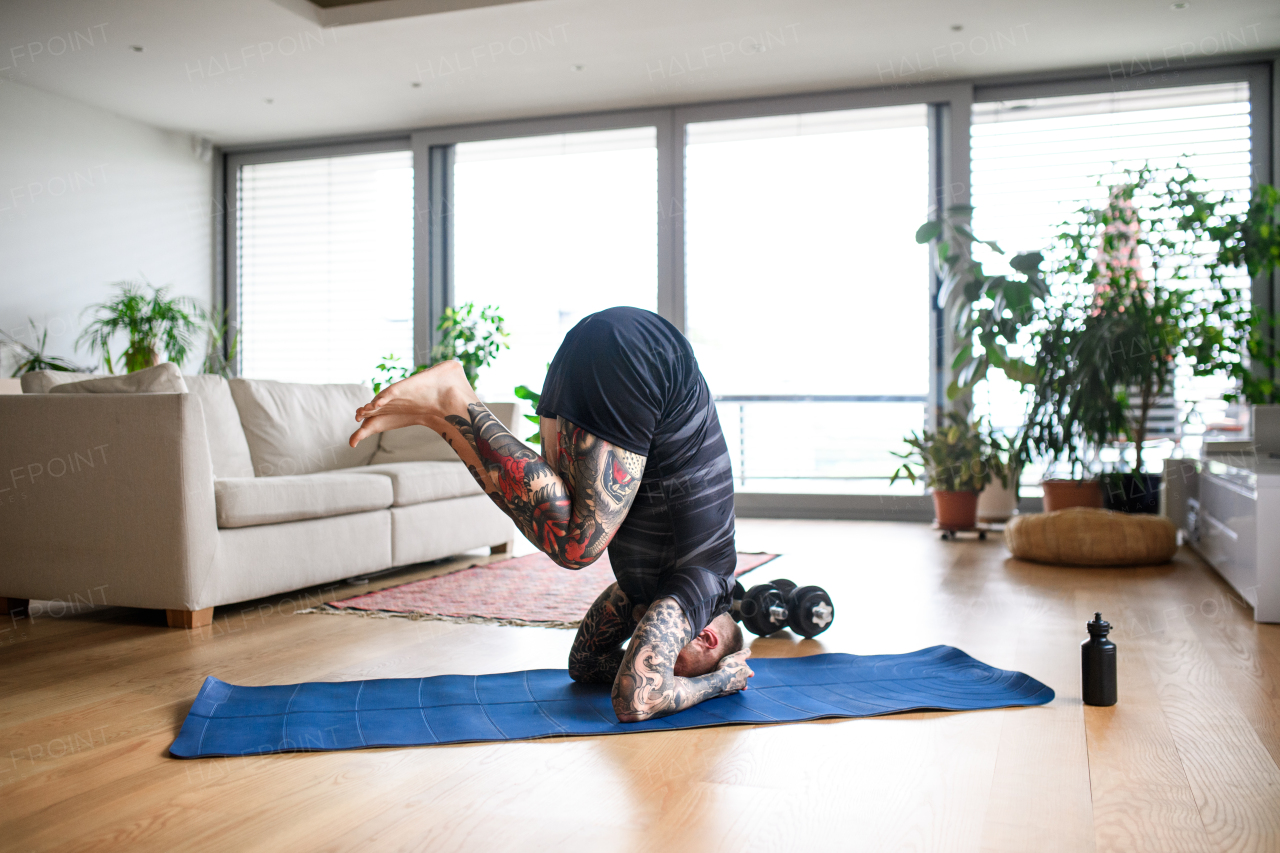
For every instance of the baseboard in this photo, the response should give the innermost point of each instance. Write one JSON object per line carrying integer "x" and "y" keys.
{"x": 847, "y": 507}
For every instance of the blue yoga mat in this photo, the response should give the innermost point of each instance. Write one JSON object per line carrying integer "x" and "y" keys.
{"x": 230, "y": 720}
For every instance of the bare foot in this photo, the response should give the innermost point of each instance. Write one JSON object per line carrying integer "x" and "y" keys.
{"x": 423, "y": 399}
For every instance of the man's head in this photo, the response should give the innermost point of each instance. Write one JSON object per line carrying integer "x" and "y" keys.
{"x": 703, "y": 653}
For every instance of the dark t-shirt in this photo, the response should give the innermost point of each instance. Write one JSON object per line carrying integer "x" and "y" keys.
{"x": 629, "y": 377}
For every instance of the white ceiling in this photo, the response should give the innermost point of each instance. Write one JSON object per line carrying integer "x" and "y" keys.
{"x": 243, "y": 71}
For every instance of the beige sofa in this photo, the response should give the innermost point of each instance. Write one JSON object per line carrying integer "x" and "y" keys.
{"x": 228, "y": 492}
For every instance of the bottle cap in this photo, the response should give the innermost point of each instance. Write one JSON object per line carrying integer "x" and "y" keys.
{"x": 1098, "y": 626}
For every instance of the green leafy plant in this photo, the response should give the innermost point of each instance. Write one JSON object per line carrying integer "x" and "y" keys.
{"x": 475, "y": 339}
{"x": 1135, "y": 294}
{"x": 393, "y": 371}
{"x": 472, "y": 337}
{"x": 152, "y": 321}
{"x": 31, "y": 357}
{"x": 524, "y": 392}
{"x": 956, "y": 458}
{"x": 1144, "y": 283}
{"x": 221, "y": 348}
{"x": 1237, "y": 339}
{"x": 991, "y": 311}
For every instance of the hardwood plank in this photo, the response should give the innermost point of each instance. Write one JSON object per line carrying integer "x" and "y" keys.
{"x": 1142, "y": 798}
{"x": 1235, "y": 780}
{"x": 1028, "y": 808}
{"x": 1246, "y": 653}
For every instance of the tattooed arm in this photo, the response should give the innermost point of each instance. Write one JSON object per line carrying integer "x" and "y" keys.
{"x": 597, "y": 650}
{"x": 571, "y": 508}
{"x": 647, "y": 686}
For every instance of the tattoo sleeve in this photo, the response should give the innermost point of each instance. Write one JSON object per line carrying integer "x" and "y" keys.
{"x": 572, "y": 513}
{"x": 597, "y": 652}
{"x": 647, "y": 685}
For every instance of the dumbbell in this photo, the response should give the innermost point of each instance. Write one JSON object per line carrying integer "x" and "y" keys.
{"x": 770, "y": 607}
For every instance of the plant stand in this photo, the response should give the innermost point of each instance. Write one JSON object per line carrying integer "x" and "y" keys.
{"x": 981, "y": 529}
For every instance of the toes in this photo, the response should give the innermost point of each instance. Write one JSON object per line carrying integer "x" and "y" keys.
{"x": 361, "y": 434}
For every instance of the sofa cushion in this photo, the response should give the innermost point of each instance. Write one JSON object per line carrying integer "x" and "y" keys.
{"x": 40, "y": 381}
{"x": 420, "y": 444}
{"x": 250, "y": 501}
{"x": 294, "y": 428}
{"x": 412, "y": 444}
{"x": 164, "y": 378}
{"x": 227, "y": 445}
{"x": 423, "y": 482}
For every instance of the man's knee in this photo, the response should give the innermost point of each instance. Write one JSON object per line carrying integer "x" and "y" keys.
{"x": 586, "y": 676}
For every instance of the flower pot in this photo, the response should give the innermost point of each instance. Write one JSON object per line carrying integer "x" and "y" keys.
{"x": 956, "y": 510}
{"x": 1063, "y": 494}
{"x": 1137, "y": 493}
{"x": 997, "y": 503}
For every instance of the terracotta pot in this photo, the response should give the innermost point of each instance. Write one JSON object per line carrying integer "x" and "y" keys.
{"x": 956, "y": 510}
{"x": 1061, "y": 494}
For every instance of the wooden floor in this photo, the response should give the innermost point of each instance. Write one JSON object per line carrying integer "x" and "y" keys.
{"x": 1187, "y": 761}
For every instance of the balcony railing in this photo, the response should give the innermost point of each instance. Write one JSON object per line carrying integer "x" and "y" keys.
{"x": 831, "y": 442}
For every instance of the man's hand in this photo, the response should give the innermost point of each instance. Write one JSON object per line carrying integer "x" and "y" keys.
{"x": 735, "y": 667}
{"x": 647, "y": 685}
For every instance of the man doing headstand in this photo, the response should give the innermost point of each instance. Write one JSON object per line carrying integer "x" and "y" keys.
{"x": 633, "y": 460}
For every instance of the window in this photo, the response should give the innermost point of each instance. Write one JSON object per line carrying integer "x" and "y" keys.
{"x": 1037, "y": 161}
{"x": 551, "y": 229}
{"x": 325, "y": 266}
{"x": 804, "y": 280}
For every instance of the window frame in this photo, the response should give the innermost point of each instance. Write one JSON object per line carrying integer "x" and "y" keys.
{"x": 233, "y": 160}
{"x": 950, "y": 105}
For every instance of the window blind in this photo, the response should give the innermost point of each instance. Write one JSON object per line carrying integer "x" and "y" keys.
{"x": 325, "y": 266}
{"x": 1036, "y": 161}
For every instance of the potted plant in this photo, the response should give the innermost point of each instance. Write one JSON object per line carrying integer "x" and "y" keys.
{"x": 998, "y": 502}
{"x": 990, "y": 319}
{"x": 1144, "y": 298}
{"x": 475, "y": 339}
{"x": 1243, "y": 342}
{"x": 31, "y": 357}
{"x": 956, "y": 463}
{"x": 222, "y": 346}
{"x": 152, "y": 321}
{"x": 1134, "y": 297}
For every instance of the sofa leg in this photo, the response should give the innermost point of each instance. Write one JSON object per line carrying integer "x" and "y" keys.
{"x": 14, "y": 606}
{"x": 500, "y": 548}
{"x": 189, "y": 618}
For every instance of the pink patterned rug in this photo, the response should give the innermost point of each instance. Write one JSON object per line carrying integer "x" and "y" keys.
{"x": 529, "y": 590}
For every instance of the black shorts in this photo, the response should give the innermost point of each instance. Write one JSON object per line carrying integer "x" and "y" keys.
{"x": 629, "y": 377}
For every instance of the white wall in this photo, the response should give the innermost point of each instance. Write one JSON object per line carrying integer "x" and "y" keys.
{"x": 88, "y": 198}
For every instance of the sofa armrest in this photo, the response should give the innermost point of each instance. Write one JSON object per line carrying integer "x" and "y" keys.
{"x": 507, "y": 413}
{"x": 106, "y": 497}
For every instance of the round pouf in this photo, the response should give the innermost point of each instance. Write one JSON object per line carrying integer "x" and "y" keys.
{"x": 1082, "y": 536}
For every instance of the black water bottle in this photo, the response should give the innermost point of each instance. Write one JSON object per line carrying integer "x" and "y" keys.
{"x": 1098, "y": 664}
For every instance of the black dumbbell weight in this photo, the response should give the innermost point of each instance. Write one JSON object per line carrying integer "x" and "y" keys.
{"x": 762, "y": 609}
{"x": 810, "y": 611}
{"x": 784, "y": 586}
{"x": 809, "y": 608}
